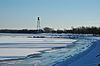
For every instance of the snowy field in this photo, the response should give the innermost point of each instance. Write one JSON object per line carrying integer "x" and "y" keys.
{"x": 21, "y": 50}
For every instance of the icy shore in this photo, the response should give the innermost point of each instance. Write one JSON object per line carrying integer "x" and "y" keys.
{"x": 54, "y": 57}
{"x": 53, "y": 52}
{"x": 92, "y": 58}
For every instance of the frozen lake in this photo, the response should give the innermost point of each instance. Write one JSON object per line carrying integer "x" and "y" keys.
{"x": 21, "y": 45}
{"x": 38, "y": 51}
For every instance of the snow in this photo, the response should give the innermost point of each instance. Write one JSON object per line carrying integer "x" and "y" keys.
{"x": 55, "y": 56}
{"x": 89, "y": 59}
{"x": 20, "y": 51}
{"x": 33, "y": 40}
{"x": 76, "y": 52}
{"x": 19, "y": 45}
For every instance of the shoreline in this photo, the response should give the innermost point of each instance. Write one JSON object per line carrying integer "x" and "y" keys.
{"x": 76, "y": 57}
{"x": 92, "y": 60}
{"x": 61, "y": 60}
{"x": 58, "y": 55}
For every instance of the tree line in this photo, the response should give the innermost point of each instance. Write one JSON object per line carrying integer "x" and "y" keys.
{"x": 78, "y": 30}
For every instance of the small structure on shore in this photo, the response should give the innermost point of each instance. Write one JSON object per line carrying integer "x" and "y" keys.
{"x": 38, "y": 23}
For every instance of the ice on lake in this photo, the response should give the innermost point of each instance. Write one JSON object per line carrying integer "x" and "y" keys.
{"x": 47, "y": 49}
{"x": 20, "y": 45}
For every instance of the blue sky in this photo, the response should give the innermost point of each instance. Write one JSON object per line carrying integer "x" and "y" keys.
{"x": 58, "y": 14}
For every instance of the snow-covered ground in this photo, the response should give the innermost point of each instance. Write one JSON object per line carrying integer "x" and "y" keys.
{"x": 19, "y": 45}
{"x": 92, "y": 58}
{"x": 75, "y": 52}
{"x": 20, "y": 51}
{"x": 34, "y": 40}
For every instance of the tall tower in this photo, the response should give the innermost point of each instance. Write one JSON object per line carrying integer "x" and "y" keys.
{"x": 38, "y": 23}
